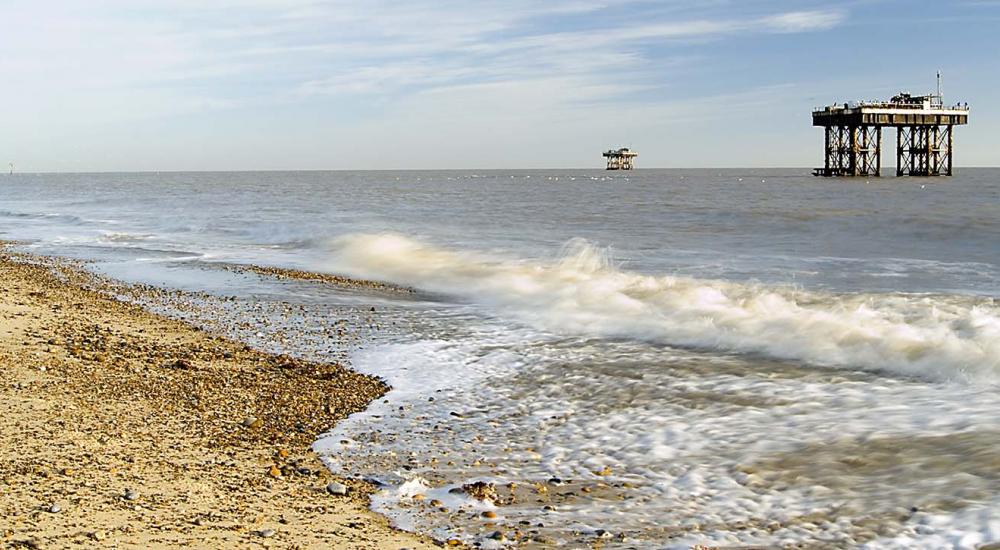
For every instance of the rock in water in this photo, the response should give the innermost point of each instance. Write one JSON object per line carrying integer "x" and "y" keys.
{"x": 481, "y": 490}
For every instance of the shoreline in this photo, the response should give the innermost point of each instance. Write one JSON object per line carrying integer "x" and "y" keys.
{"x": 120, "y": 427}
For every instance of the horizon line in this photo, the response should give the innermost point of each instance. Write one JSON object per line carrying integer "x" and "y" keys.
{"x": 889, "y": 173}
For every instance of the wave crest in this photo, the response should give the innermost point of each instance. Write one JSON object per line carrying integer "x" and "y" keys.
{"x": 953, "y": 338}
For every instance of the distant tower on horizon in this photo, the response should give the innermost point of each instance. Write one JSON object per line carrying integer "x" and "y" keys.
{"x": 620, "y": 159}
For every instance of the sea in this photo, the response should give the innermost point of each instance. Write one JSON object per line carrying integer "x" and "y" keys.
{"x": 644, "y": 359}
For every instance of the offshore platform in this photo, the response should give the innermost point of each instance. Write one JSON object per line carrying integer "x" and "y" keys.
{"x": 924, "y": 135}
{"x": 620, "y": 159}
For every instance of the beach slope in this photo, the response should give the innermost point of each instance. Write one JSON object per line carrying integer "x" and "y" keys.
{"x": 122, "y": 428}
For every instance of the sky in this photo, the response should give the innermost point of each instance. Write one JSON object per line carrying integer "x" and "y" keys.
{"x": 141, "y": 85}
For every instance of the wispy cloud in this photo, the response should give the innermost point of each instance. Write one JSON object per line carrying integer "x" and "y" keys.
{"x": 803, "y": 21}
{"x": 509, "y": 52}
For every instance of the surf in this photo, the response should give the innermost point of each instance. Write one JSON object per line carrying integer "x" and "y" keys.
{"x": 582, "y": 292}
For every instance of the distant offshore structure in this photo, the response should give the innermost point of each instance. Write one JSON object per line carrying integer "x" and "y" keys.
{"x": 924, "y": 141}
{"x": 620, "y": 159}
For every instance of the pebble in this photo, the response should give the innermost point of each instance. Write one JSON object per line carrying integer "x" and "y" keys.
{"x": 252, "y": 422}
{"x": 55, "y": 509}
{"x": 497, "y": 535}
{"x": 338, "y": 489}
{"x": 98, "y": 535}
{"x": 489, "y": 514}
{"x": 266, "y": 533}
{"x": 130, "y": 494}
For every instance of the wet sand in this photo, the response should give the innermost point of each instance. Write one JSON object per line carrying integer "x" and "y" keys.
{"x": 300, "y": 275}
{"x": 120, "y": 428}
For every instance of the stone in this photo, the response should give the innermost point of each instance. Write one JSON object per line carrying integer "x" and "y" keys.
{"x": 130, "y": 494}
{"x": 480, "y": 490}
{"x": 252, "y": 422}
{"x": 55, "y": 509}
{"x": 265, "y": 533}
{"x": 98, "y": 535}
{"x": 497, "y": 535}
{"x": 489, "y": 514}
{"x": 336, "y": 489}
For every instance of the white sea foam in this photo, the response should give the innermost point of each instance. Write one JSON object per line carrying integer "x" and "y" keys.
{"x": 942, "y": 338}
{"x": 678, "y": 431}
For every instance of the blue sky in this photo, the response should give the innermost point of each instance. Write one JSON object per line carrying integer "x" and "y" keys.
{"x": 302, "y": 84}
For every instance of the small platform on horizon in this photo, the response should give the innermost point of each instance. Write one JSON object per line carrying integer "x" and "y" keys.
{"x": 620, "y": 159}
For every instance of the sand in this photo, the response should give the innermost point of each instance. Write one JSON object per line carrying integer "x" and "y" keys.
{"x": 120, "y": 428}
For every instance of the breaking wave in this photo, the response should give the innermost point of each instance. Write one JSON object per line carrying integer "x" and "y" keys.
{"x": 945, "y": 338}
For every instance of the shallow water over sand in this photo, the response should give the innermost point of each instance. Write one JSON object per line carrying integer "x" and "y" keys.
{"x": 662, "y": 358}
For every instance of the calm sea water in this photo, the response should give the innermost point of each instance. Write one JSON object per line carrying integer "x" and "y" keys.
{"x": 656, "y": 359}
